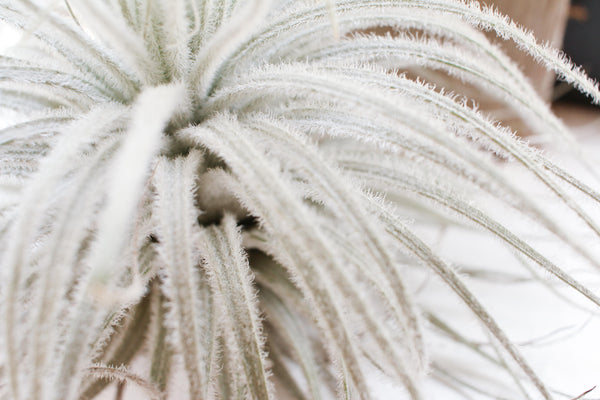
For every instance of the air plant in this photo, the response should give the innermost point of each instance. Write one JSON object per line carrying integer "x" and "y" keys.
{"x": 232, "y": 193}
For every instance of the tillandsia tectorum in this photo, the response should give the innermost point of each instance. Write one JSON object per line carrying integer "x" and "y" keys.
{"x": 232, "y": 192}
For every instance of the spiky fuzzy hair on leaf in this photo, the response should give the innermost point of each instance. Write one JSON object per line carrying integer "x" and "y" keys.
{"x": 234, "y": 192}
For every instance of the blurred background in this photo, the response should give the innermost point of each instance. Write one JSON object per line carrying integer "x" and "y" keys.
{"x": 574, "y": 26}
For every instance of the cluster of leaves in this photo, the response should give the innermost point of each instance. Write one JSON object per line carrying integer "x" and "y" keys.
{"x": 222, "y": 187}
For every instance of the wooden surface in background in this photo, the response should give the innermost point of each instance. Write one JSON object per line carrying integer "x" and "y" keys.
{"x": 548, "y": 20}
